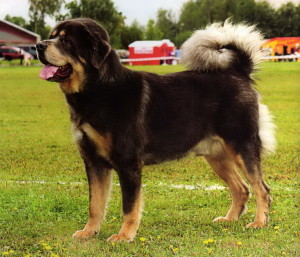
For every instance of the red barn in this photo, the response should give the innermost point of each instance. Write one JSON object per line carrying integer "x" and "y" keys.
{"x": 150, "y": 49}
{"x": 12, "y": 34}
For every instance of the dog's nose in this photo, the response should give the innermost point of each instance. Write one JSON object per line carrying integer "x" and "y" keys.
{"x": 41, "y": 46}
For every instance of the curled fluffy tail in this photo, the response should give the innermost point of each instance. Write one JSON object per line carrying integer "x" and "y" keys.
{"x": 221, "y": 47}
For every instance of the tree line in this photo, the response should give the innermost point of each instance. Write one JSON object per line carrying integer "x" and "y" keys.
{"x": 194, "y": 14}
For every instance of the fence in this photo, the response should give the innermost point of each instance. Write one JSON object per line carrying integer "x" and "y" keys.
{"x": 164, "y": 59}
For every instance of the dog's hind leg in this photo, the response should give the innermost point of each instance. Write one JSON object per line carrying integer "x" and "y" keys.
{"x": 224, "y": 165}
{"x": 132, "y": 200}
{"x": 249, "y": 163}
{"x": 100, "y": 181}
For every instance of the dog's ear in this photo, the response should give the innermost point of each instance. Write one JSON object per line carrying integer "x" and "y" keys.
{"x": 100, "y": 47}
{"x": 99, "y": 53}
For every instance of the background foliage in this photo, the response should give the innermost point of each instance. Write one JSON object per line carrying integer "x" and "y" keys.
{"x": 194, "y": 14}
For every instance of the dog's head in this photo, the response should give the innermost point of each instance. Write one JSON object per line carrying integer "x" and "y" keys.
{"x": 75, "y": 48}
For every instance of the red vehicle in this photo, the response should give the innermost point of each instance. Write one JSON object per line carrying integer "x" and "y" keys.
{"x": 10, "y": 52}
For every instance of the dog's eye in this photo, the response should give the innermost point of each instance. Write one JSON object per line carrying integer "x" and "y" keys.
{"x": 65, "y": 40}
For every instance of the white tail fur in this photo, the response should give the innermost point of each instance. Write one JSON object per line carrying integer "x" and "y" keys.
{"x": 266, "y": 129}
{"x": 218, "y": 46}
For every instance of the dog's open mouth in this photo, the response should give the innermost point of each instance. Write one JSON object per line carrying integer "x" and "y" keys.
{"x": 55, "y": 73}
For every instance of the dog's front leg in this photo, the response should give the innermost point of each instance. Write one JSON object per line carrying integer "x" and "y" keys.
{"x": 100, "y": 180}
{"x": 132, "y": 200}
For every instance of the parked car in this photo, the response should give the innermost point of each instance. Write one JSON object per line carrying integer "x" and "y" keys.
{"x": 10, "y": 52}
{"x": 29, "y": 49}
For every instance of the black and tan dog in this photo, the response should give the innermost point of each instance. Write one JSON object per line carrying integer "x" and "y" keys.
{"x": 123, "y": 119}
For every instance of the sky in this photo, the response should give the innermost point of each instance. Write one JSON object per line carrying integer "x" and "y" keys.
{"x": 140, "y": 10}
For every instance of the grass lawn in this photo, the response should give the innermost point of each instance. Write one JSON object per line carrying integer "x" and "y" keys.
{"x": 37, "y": 218}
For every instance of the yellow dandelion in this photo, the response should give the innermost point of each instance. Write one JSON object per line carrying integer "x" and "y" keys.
{"x": 158, "y": 237}
{"x": 283, "y": 253}
{"x": 11, "y": 251}
{"x": 143, "y": 239}
{"x": 276, "y": 227}
{"x": 239, "y": 243}
{"x": 48, "y": 248}
{"x": 44, "y": 244}
{"x": 208, "y": 241}
{"x": 113, "y": 243}
{"x": 5, "y": 253}
{"x": 175, "y": 250}
{"x": 209, "y": 250}
{"x": 54, "y": 255}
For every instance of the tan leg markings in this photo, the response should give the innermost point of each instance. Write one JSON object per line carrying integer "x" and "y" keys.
{"x": 224, "y": 165}
{"x": 263, "y": 199}
{"x": 99, "y": 194}
{"x": 131, "y": 222}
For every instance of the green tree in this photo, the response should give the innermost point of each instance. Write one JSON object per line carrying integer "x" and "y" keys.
{"x": 166, "y": 23}
{"x": 102, "y": 11}
{"x": 38, "y": 10}
{"x": 287, "y": 20}
{"x": 192, "y": 16}
{"x": 16, "y": 20}
{"x": 264, "y": 18}
{"x": 181, "y": 37}
{"x": 131, "y": 33}
{"x": 245, "y": 11}
{"x": 152, "y": 32}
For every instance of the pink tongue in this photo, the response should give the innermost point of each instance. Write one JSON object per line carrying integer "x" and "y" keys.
{"x": 48, "y": 71}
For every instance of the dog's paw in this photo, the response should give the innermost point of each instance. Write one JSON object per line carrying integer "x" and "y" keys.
{"x": 256, "y": 224}
{"x": 84, "y": 234}
{"x": 223, "y": 219}
{"x": 120, "y": 238}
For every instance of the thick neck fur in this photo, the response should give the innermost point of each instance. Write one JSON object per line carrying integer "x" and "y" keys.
{"x": 112, "y": 87}
{"x": 111, "y": 71}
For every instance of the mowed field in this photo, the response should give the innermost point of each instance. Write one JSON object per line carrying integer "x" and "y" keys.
{"x": 44, "y": 193}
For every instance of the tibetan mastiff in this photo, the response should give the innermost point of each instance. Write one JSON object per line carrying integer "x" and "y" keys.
{"x": 123, "y": 119}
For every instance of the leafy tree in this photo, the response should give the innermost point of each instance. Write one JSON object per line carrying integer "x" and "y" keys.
{"x": 297, "y": 17}
{"x": 130, "y": 34}
{"x": 166, "y": 24}
{"x": 213, "y": 10}
{"x": 192, "y": 16}
{"x": 16, "y": 20}
{"x": 181, "y": 37}
{"x": 38, "y": 10}
{"x": 287, "y": 20}
{"x": 245, "y": 11}
{"x": 102, "y": 11}
{"x": 264, "y": 18}
{"x": 152, "y": 32}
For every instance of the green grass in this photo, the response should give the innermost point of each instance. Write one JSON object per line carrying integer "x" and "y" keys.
{"x": 16, "y": 62}
{"x": 39, "y": 218}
